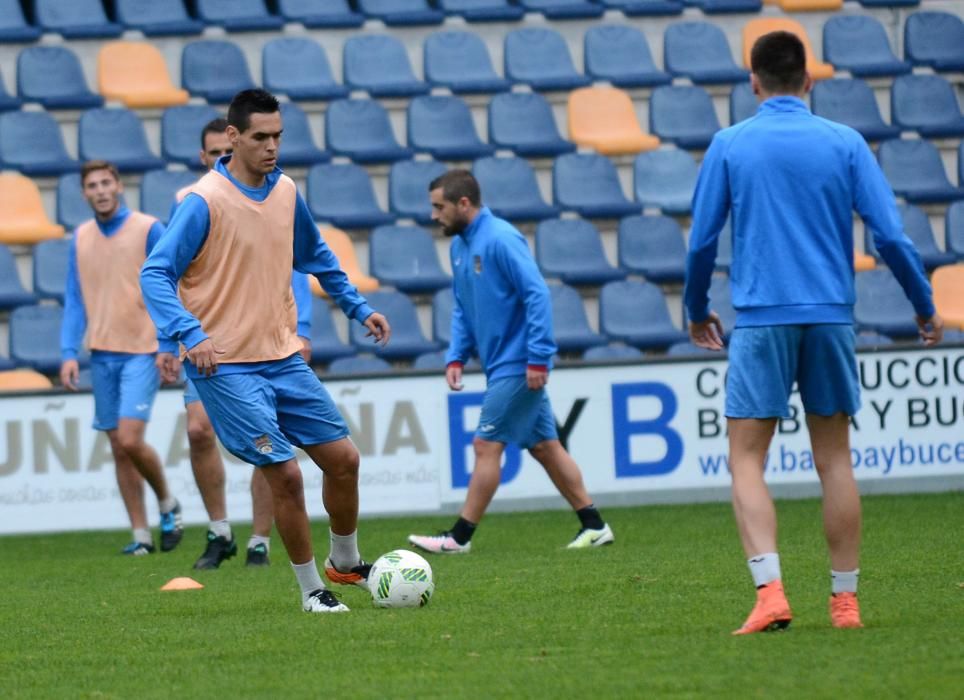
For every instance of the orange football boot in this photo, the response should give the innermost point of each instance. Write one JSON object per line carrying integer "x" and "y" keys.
{"x": 771, "y": 612}
{"x": 844, "y": 611}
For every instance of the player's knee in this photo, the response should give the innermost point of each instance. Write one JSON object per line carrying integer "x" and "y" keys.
{"x": 347, "y": 464}
{"x": 200, "y": 435}
{"x": 287, "y": 481}
{"x": 482, "y": 447}
{"x": 130, "y": 441}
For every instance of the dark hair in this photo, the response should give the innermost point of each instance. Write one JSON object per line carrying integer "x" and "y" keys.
{"x": 215, "y": 126}
{"x": 94, "y": 165}
{"x": 248, "y": 102}
{"x": 779, "y": 62}
{"x": 456, "y": 184}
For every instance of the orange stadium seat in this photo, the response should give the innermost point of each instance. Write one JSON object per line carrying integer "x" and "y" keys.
{"x": 604, "y": 118}
{"x": 23, "y": 380}
{"x": 948, "y": 284}
{"x": 863, "y": 262}
{"x": 135, "y": 73}
{"x": 756, "y": 28}
{"x": 344, "y": 250}
{"x": 810, "y": 5}
{"x": 22, "y": 216}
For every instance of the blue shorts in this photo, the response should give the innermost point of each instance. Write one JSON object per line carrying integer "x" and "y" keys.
{"x": 124, "y": 387}
{"x": 512, "y": 413}
{"x": 765, "y": 361}
{"x": 190, "y": 392}
{"x": 259, "y": 416}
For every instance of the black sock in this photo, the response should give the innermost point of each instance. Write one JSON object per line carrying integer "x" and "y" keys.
{"x": 462, "y": 531}
{"x": 590, "y": 518}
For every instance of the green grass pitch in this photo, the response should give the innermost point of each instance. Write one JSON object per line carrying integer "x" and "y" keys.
{"x": 519, "y": 617}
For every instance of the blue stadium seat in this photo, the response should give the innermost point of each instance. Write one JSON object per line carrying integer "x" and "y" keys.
{"x": 378, "y": 63}
{"x": 72, "y": 208}
{"x": 50, "y": 269}
{"x": 510, "y": 190}
{"x": 601, "y": 353}
{"x": 570, "y": 327}
{"x": 13, "y": 25}
{"x": 960, "y": 164}
{"x": 724, "y": 248}
{"x": 215, "y": 70}
{"x": 588, "y": 183}
{"x": 430, "y": 360}
{"x": 700, "y": 52}
{"x": 52, "y": 76}
{"x": 687, "y": 349}
{"x": 636, "y": 313}
{"x": 442, "y": 304}
{"x": 152, "y": 18}
{"x": 408, "y": 341}
{"x": 408, "y": 183}
{"x": 684, "y": 115}
{"x": 564, "y": 9}
{"x": 345, "y": 366}
{"x": 404, "y": 257}
{"x": 916, "y": 172}
{"x": 6, "y": 364}
{"x": 361, "y": 130}
{"x": 298, "y": 67}
{"x": 321, "y": 14}
{"x": 872, "y": 340}
{"x": 954, "y": 229}
{"x": 442, "y": 126}
{"x": 652, "y": 246}
{"x": 483, "y": 10}
{"x": 158, "y": 188}
{"x": 540, "y": 58}
{"x": 238, "y": 15}
{"x": 76, "y": 19}
{"x": 398, "y": 13}
{"x": 665, "y": 179}
{"x": 935, "y": 39}
{"x": 12, "y": 292}
{"x": 523, "y": 121}
{"x": 35, "y": 337}
{"x": 721, "y": 303}
{"x": 918, "y": 228}
{"x": 117, "y": 135}
{"x": 642, "y": 8}
{"x": 882, "y": 306}
{"x": 460, "y": 62}
{"x": 325, "y": 343}
{"x": 298, "y": 146}
{"x": 619, "y": 54}
{"x": 851, "y": 102}
{"x": 31, "y": 142}
{"x": 743, "y": 103}
{"x": 927, "y": 104}
{"x": 859, "y": 44}
{"x": 571, "y": 250}
{"x": 7, "y": 101}
{"x": 715, "y": 7}
{"x": 890, "y": 3}
{"x": 342, "y": 194}
{"x": 181, "y": 133}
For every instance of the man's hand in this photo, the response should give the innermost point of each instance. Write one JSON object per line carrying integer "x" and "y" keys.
{"x": 536, "y": 378}
{"x": 378, "y": 328}
{"x": 204, "y": 356}
{"x": 707, "y": 334}
{"x": 169, "y": 366}
{"x": 305, "y": 349}
{"x": 69, "y": 374}
{"x": 931, "y": 329}
{"x": 453, "y": 375}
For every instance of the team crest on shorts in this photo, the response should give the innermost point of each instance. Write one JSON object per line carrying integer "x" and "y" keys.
{"x": 263, "y": 445}
{"x": 477, "y": 264}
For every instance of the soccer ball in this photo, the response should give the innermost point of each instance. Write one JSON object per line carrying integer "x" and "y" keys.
{"x": 401, "y": 579}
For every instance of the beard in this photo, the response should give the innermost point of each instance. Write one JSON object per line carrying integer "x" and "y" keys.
{"x": 455, "y": 228}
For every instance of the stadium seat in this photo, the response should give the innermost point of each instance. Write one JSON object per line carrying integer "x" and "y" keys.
{"x": 7, "y": 101}
{"x": 859, "y": 44}
{"x": 6, "y": 364}
{"x": 851, "y": 101}
{"x": 442, "y": 304}
{"x": 683, "y": 114}
{"x": 571, "y": 250}
{"x": 408, "y": 183}
{"x": 716, "y": 7}
{"x": 916, "y": 172}
{"x": 721, "y": 303}
{"x": 570, "y": 327}
{"x": 52, "y": 76}
{"x": 882, "y": 306}
{"x": 935, "y": 39}
{"x": 215, "y": 70}
{"x": 523, "y": 121}
{"x": 321, "y": 14}
{"x": 22, "y": 216}
{"x": 442, "y": 126}
{"x": 430, "y": 360}
{"x": 700, "y": 52}
{"x": 960, "y": 164}
{"x": 50, "y": 269}
{"x": 152, "y": 18}
{"x": 35, "y": 337}
{"x": 298, "y": 67}
{"x": 181, "y": 129}
{"x": 378, "y": 63}
{"x": 954, "y": 229}
{"x": 743, "y": 103}
{"x": 298, "y": 145}
{"x": 23, "y": 380}
{"x": 863, "y": 262}
{"x": 72, "y": 208}
{"x": 238, "y": 15}
{"x": 890, "y": 3}
{"x": 756, "y": 28}
{"x": 619, "y": 54}
{"x": 13, "y": 24}
{"x": 31, "y": 142}
{"x": 917, "y": 226}
{"x": 483, "y": 10}
{"x": 587, "y": 183}
{"x": 325, "y": 343}
{"x": 540, "y": 58}
{"x": 460, "y": 62}
{"x": 135, "y": 74}
{"x": 408, "y": 341}
{"x": 158, "y": 188}
{"x": 724, "y": 248}
{"x": 361, "y": 130}
{"x": 76, "y": 19}
{"x": 601, "y": 353}
{"x": 341, "y": 245}
{"x": 926, "y": 104}
{"x": 604, "y": 119}
{"x": 810, "y": 5}
{"x": 872, "y": 340}
{"x": 117, "y": 135}
{"x": 510, "y": 190}
{"x": 643, "y": 8}
{"x": 948, "y": 284}
{"x": 357, "y": 365}
{"x": 404, "y": 257}
{"x": 564, "y": 9}
{"x": 636, "y": 313}
{"x": 342, "y": 194}
{"x": 399, "y": 13}
{"x": 665, "y": 179}
{"x": 12, "y": 292}
{"x": 687, "y": 349}
{"x": 653, "y": 247}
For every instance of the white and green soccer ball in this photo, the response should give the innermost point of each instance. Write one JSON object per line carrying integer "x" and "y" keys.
{"x": 401, "y": 579}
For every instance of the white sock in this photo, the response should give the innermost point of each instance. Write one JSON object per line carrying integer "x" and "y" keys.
{"x": 344, "y": 550}
{"x": 143, "y": 535}
{"x": 259, "y": 539}
{"x": 765, "y": 568}
{"x": 168, "y": 504}
{"x": 843, "y": 581}
{"x": 220, "y": 528}
{"x": 308, "y": 578}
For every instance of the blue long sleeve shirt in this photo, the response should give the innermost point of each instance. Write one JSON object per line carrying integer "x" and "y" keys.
{"x": 75, "y": 313}
{"x": 502, "y": 307}
{"x": 791, "y": 182}
{"x": 186, "y": 235}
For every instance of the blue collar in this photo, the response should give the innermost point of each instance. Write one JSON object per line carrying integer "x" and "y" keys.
{"x": 258, "y": 194}
{"x": 484, "y": 213}
{"x": 113, "y": 224}
{"x": 783, "y": 103}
